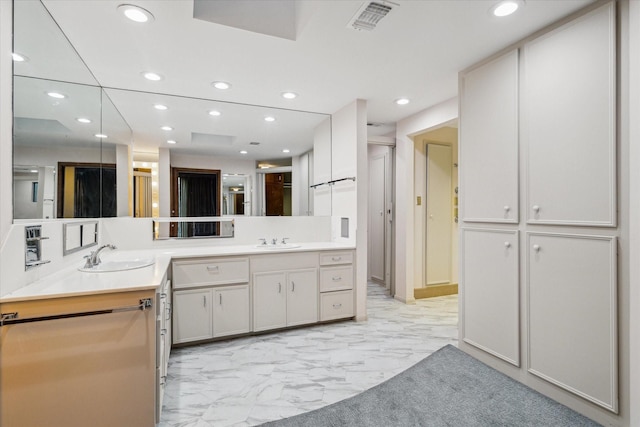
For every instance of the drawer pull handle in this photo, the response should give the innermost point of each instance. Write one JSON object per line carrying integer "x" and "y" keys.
{"x": 220, "y": 299}
{"x": 337, "y": 306}
{"x": 293, "y": 286}
{"x": 163, "y": 295}
{"x": 168, "y": 312}
{"x": 163, "y": 332}
{"x": 279, "y": 287}
{"x": 336, "y": 278}
{"x": 204, "y": 301}
{"x": 336, "y": 258}
{"x": 212, "y": 268}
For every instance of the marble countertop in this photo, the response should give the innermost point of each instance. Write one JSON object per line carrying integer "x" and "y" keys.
{"x": 70, "y": 282}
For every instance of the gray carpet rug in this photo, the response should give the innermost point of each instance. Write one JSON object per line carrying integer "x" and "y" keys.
{"x": 448, "y": 388}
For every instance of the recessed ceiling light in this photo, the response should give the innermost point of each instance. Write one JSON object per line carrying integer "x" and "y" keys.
{"x": 154, "y": 204}
{"x": 18, "y": 57}
{"x": 269, "y": 119}
{"x": 33, "y": 171}
{"x": 285, "y": 150}
{"x": 289, "y": 95}
{"x": 221, "y": 85}
{"x": 154, "y": 77}
{"x": 160, "y": 107}
{"x": 214, "y": 113}
{"x": 402, "y": 101}
{"x": 83, "y": 120}
{"x": 135, "y": 13}
{"x": 243, "y": 152}
{"x": 505, "y": 8}
{"x": 171, "y": 141}
{"x": 56, "y": 95}
{"x": 100, "y": 135}
{"x": 167, "y": 128}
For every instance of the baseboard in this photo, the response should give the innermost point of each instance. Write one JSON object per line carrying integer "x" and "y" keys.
{"x": 436, "y": 291}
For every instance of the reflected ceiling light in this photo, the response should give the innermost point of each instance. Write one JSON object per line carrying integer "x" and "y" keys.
{"x": 505, "y": 8}
{"x": 135, "y": 13}
{"x": 56, "y": 95}
{"x": 100, "y": 135}
{"x": 167, "y": 128}
{"x": 289, "y": 95}
{"x": 154, "y": 77}
{"x": 33, "y": 171}
{"x": 269, "y": 119}
{"x": 83, "y": 120}
{"x": 145, "y": 165}
{"x": 171, "y": 141}
{"x": 18, "y": 57}
{"x": 243, "y": 152}
{"x": 154, "y": 173}
{"x": 221, "y": 85}
{"x": 154, "y": 183}
{"x": 160, "y": 107}
{"x": 235, "y": 189}
{"x": 154, "y": 204}
{"x": 286, "y": 150}
{"x": 402, "y": 101}
{"x": 215, "y": 113}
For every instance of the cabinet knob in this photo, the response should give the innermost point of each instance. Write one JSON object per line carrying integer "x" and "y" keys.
{"x": 337, "y": 306}
{"x": 212, "y": 268}
{"x": 536, "y": 208}
{"x": 336, "y": 278}
{"x": 507, "y": 208}
{"x": 536, "y": 248}
{"x": 507, "y": 244}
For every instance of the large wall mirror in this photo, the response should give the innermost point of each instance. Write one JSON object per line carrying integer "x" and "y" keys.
{"x": 81, "y": 150}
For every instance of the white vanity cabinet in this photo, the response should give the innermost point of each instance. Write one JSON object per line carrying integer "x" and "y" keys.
{"x": 287, "y": 298}
{"x": 210, "y": 298}
{"x": 163, "y": 340}
{"x": 337, "y": 276}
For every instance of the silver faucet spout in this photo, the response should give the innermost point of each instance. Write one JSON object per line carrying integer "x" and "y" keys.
{"x": 94, "y": 259}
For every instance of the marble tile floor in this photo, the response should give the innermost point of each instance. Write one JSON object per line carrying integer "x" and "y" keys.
{"x": 252, "y": 380}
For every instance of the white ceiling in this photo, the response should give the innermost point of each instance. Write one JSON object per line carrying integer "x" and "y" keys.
{"x": 416, "y": 52}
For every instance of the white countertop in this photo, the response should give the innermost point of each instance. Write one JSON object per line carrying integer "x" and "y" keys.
{"x": 71, "y": 282}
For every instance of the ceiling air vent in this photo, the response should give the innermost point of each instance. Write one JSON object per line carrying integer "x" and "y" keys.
{"x": 368, "y": 16}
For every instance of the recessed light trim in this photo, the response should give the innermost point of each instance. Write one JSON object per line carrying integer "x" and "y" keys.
{"x": 289, "y": 95}
{"x": 33, "y": 171}
{"x": 135, "y": 13}
{"x": 83, "y": 120}
{"x": 166, "y": 128}
{"x": 221, "y": 85}
{"x": 18, "y": 57}
{"x": 269, "y": 119}
{"x": 286, "y": 150}
{"x": 244, "y": 152}
{"x": 506, "y": 8}
{"x": 215, "y": 113}
{"x": 100, "y": 135}
{"x": 171, "y": 141}
{"x": 160, "y": 107}
{"x": 56, "y": 95}
{"x": 402, "y": 101}
{"x": 150, "y": 75}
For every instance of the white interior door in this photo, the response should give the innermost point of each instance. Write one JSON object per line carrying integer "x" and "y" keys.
{"x": 439, "y": 214}
{"x": 377, "y": 190}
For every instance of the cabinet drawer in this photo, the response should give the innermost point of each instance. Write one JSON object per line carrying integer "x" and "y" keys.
{"x": 333, "y": 258}
{"x": 211, "y": 271}
{"x": 336, "y": 305}
{"x": 336, "y": 278}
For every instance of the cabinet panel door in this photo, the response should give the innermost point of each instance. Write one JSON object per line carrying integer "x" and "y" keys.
{"x": 489, "y": 141}
{"x": 269, "y": 301}
{"x": 192, "y": 315}
{"x": 570, "y": 122}
{"x": 231, "y": 310}
{"x": 302, "y": 297}
{"x": 490, "y": 288}
{"x": 572, "y": 314}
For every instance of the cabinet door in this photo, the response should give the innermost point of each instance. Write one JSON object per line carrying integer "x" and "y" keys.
{"x": 569, "y": 122}
{"x": 302, "y": 297}
{"x": 489, "y": 141}
{"x": 231, "y": 310}
{"x": 572, "y": 314}
{"x": 490, "y": 286}
{"x": 269, "y": 301}
{"x": 192, "y": 315}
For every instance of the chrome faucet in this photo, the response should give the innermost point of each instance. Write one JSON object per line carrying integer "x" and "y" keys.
{"x": 264, "y": 241}
{"x": 93, "y": 259}
{"x": 274, "y": 241}
{"x": 284, "y": 240}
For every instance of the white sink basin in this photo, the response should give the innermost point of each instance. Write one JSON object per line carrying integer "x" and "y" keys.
{"x": 278, "y": 247}
{"x": 111, "y": 266}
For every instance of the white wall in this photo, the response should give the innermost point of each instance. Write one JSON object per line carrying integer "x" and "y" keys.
{"x": 322, "y": 167}
{"x": 405, "y": 199}
{"x": 6, "y": 119}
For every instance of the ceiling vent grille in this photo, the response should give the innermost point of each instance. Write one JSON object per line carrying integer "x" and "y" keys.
{"x": 368, "y": 16}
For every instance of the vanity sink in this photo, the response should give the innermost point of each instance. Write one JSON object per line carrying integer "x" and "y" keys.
{"x": 280, "y": 246}
{"x": 111, "y": 266}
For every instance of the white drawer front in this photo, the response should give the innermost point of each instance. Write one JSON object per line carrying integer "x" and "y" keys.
{"x": 333, "y": 258}
{"x": 336, "y": 278}
{"x": 336, "y": 305}
{"x": 210, "y": 271}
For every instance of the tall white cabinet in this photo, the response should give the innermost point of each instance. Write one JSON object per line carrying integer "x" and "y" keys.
{"x": 539, "y": 284}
